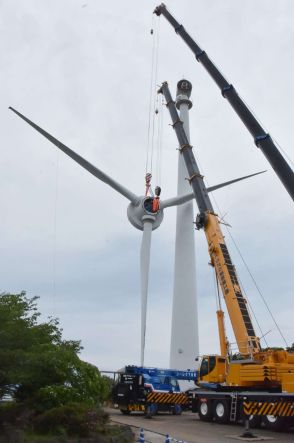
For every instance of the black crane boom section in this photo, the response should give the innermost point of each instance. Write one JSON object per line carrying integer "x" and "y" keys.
{"x": 261, "y": 138}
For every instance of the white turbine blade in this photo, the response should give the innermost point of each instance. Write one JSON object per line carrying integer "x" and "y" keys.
{"x": 144, "y": 265}
{"x": 175, "y": 201}
{"x": 81, "y": 161}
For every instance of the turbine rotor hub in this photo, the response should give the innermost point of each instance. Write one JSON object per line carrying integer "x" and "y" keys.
{"x": 142, "y": 211}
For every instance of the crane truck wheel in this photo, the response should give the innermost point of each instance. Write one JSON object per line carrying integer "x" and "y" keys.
{"x": 221, "y": 411}
{"x": 274, "y": 423}
{"x": 205, "y": 410}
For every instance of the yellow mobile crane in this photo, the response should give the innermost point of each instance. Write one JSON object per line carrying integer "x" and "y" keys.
{"x": 260, "y": 381}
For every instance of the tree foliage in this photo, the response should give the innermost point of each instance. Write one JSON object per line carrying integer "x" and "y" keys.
{"x": 39, "y": 367}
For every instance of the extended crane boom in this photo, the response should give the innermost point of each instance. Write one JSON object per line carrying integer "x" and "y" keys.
{"x": 248, "y": 342}
{"x": 261, "y": 138}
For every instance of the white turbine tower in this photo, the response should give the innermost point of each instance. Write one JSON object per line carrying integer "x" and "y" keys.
{"x": 139, "y": 212}
{"x": 184, "y": 345}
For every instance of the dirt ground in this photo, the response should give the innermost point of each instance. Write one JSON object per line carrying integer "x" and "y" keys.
{"x": 188, "y": 428}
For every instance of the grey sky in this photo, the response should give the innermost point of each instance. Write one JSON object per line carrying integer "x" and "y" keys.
{"x": 83, "y": 74}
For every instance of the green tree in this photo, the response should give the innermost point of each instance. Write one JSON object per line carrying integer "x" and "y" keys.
{"x": 37, "y": 366}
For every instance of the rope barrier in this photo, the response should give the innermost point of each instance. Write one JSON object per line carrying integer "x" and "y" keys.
{"x": 168, "y": 439}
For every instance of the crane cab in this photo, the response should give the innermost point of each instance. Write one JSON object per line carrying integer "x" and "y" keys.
{"x": 212, "y": 369}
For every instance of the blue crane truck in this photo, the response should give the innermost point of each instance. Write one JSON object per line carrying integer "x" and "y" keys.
{"x": 151, "y": 390}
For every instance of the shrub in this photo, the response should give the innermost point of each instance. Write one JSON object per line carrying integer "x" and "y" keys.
{"x": 72, "y": 419}
{"x": 15, "y": 414}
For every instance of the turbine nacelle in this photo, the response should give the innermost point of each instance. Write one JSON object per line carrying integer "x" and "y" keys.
{"x": 141, "y": 211}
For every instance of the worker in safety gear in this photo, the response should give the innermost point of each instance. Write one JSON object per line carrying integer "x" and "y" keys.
{"x": 155, "y": 202}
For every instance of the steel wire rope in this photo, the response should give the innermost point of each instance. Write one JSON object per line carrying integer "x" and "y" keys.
{"x": 150, "y": 94}
{"x": 161, "y": 138}
{"x": 263, "y": 334}
{"x": 154, "y": 91}
{"x": 258, "y": 289}
{"x": 159, "y": 142}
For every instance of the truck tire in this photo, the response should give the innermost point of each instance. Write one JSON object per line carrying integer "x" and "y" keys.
{"x": 221, "y": 411}
{"x": 274, "y": 423}
{"x": 205, "y": 410}
{"x": 125, "y": 411}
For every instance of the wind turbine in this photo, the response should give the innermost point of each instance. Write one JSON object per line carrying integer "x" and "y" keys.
{"x": 139, "y": 212}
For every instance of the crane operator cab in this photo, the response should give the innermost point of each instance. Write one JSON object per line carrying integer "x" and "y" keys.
{"x": 212, "y": 369}
{"x": 151, "y": 204}
{"x": 161, "y": 383}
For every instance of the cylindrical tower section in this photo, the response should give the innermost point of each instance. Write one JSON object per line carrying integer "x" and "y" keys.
{"x": 184, "y": 331}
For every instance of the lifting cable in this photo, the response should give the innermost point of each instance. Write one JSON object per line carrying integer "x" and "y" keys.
{"x": 160, "y": 115}
{"x": 150, "y": 97}
{"x": 239, "y": 279}
{"x": 258, "y": 289}
{"x": 153, "y": 105}
{"x": 154, "y": 91}
{"x": 262, "y": 334}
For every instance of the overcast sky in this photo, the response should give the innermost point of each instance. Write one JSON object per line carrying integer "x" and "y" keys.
{"x": 81, "y": 70}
